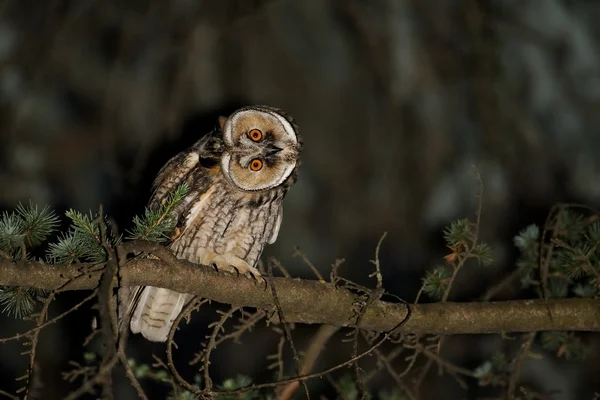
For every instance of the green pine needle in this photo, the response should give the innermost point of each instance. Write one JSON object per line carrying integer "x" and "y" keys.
{"x": 571, "y": 225}
{"x": 527, "y": 238}
{"x": 564, "y": 344}
{"x": 238, "y": 382}
{"x": 17, "y": 301}
{"x": 37, "y": 224}
{"x": 570, "y": 263}
{"x": 557, "y": 288}
{"x": 11, "y": 232}
{"x": 156, "y": 225}
{"x": 81, "y": 243}
{"x": 68, "y": 249}
{"x": 84, "y": 224}
{"x": 585, "y": 290}
{"x": 593, "y": 233}
{"x": 391, "y": 394}
{"x": 483, "y": 253}
{"x": 459, "y": 232}
{"x": 86, "y": 230}
{"x": 347, "y": 387}
{"x": 436, "y": 282}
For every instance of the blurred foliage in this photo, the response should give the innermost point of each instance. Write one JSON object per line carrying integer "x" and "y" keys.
{"x": 572, "y": 254}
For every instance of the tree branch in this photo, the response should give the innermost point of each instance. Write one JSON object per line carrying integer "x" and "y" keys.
{"x": 308, "y": 301}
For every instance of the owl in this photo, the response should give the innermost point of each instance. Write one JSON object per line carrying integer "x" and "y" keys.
{"x": 238, "y": 175}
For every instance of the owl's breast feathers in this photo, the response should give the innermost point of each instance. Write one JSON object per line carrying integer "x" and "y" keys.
{"x": 221, "y": 221}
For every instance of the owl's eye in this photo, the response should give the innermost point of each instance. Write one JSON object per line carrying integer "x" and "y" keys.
{"x": 256, "y": 165}
{"x": 255, "y": 135}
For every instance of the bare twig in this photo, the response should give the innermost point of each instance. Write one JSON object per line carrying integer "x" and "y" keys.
{"x": 298, "y": 253}
{"x": 88, "y": 385}
{"x": 286, "y": 327}
{"x": 523, "y": 354}
{"x": 386, "y": 363}
{"x": 322, "y": 373}
{"x": 170, "y": 343}
{"x": 108, "y": 318}
{"x": 8, "y": 395}
{"x": 41, "y": 318}
{"x": 51, "y": 321}
{"x": 236, "y": 334}
{"x": 211, "y": 345}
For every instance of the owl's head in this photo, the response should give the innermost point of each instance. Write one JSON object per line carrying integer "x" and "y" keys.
{"x": 262, "y": 148}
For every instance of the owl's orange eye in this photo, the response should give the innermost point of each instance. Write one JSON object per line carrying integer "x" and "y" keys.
{"x": 255, "y": 135}
{"x": 256, "y": 165}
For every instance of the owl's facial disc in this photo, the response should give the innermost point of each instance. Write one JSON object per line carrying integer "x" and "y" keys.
{"x": 262, "y": 149}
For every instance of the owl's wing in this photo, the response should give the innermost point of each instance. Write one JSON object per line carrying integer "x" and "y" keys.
{"x": 276, "y": 226}
{"x": 172, "y": 174}
{"x": 176, "y": 171}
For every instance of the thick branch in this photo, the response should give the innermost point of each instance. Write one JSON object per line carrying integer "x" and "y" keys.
{"x": 307, "y": 301}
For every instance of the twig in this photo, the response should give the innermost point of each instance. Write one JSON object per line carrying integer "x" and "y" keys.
{"x": 171, "y": 343}
{"x": 288, "y": 333}
{"x": 235, "y": 334}
{"x": 385, "y": 361}
{"x": 88, "y": 385}
{"x": 8, "y": 395}
{"x": 43, "y": 315}
{"x": 376, "y": 263}
{"x": 211, "y": 345}
{"x": 108, "y": 319}
{"x": 322, "y": 373}
{"x": 122, "y": 355}
{"x": 49, "y": 322}
{"x": 523, "y": 354}
{"x": 317, "y": 343}
{"x": 298, "y": 253}
{"x": 494, "y": 290}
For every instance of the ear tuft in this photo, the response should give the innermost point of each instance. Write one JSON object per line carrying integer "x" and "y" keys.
{"x": 222, "y": 121}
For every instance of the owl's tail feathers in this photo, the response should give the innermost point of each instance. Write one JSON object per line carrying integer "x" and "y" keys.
{"x": 155, "y": 311}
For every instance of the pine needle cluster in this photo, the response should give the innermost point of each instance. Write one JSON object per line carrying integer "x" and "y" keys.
{"x": 157, "y": 224}
{"x": 25, "y": 228}
{"x": 570, "y": 251}
{"x": 82, "y": 242}
{"x": 28, "y": 227}
{"x": 21, "y": 231}
{"x": 572, "y": 255}
{"x": 461, "y": 238}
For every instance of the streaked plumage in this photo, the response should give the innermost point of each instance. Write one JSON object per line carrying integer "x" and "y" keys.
{"x": 238, "y": 176}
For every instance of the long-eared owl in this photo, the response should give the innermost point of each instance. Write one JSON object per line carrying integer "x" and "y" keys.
{"x": 238, "y": 175}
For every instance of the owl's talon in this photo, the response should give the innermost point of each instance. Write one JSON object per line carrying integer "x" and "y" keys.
{"x": 234, "y": 268}
{"x": 262, "y": 280}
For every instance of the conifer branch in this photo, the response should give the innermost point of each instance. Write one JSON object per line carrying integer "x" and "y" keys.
{"x": 309, "y": 301}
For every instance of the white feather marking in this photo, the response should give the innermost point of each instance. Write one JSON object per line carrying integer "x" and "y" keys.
{"x": 198, "y": 207}
{"x": 232, "y": 121}
{"x": 276, "y": 226}
{"x": 225, "y": 164}
{"x": 156, "y": 311}
{"x": 192, "y": 160}
{"x": 136, "y": 318}
{"x": 287, "y": 127}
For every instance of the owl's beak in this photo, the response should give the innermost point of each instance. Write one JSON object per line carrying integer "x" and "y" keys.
{"x": 272, "y": 149}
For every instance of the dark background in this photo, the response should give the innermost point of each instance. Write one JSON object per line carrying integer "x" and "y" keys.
{"x": 396, "y": 101}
